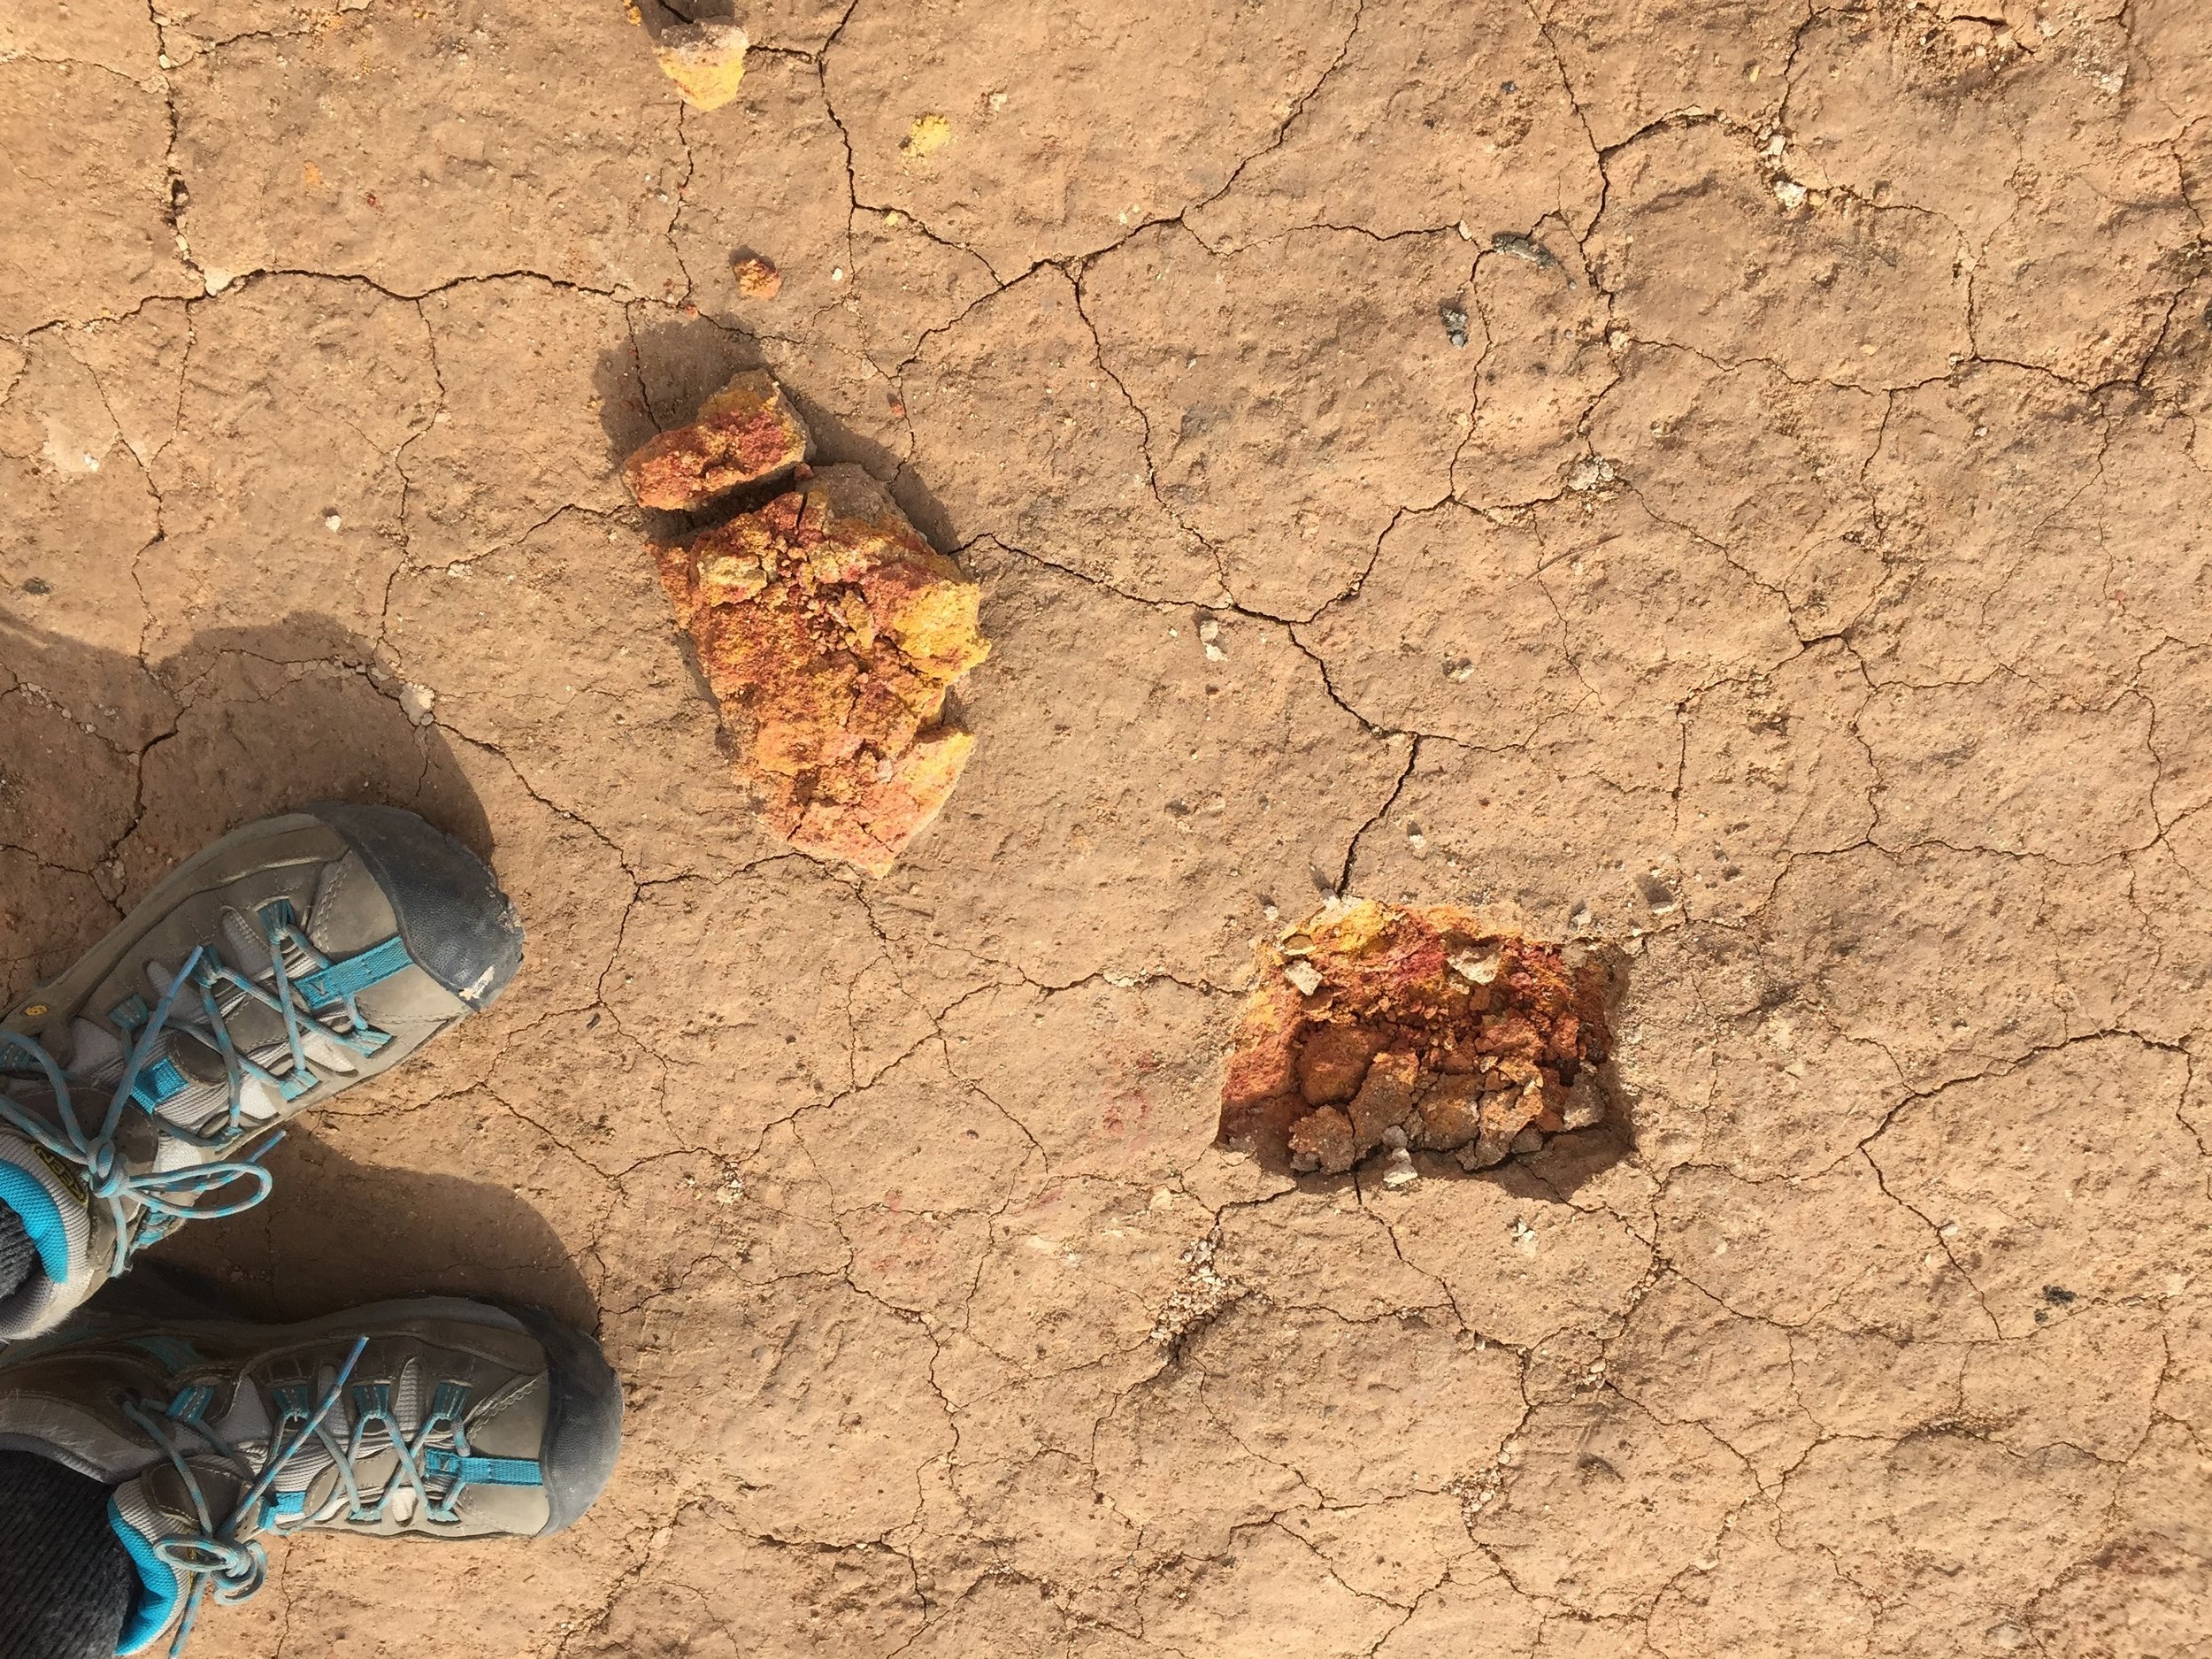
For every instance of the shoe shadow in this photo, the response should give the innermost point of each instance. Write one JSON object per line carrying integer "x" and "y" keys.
{"x": 113, "y": 769}
{"x": 337, "y": 1233}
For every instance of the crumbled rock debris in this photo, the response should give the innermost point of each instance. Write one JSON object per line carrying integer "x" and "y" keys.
{"x": 1589, "y": 472}
{"x": 1373, "y": 1027}
{"x": 829, "y": 631}
{"x": 1519, "y": 247}
{"x": 1204, "y": 1292}
{"x": 746, "y": 434}
{"x": 1452, "y": 313}
{"x": 757, "y": 277}
{"x": 706, "y": 60}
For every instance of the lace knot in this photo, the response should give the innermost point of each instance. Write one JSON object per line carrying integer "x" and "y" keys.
{"x": 104, "y": 1174}
{"x": 234, "y": 1570}
{"x": 214, "y": 1560}
{"x": 162, "y": 1199}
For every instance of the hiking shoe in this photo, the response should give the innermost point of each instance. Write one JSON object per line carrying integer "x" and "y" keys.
{"x": 430, "y": 1418}
{"x": 293, "y": 959}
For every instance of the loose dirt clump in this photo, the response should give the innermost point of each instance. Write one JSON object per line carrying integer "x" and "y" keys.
{"x": 1377, "y": 1028}
{"x": 822, "y": 621}
{"x": 758, "y": 279}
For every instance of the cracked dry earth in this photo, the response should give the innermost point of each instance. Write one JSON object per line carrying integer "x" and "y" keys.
{"x": 1798, "y": 582}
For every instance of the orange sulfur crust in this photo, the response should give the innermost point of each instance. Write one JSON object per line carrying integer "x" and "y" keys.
{"x": 836, "y": 630}
{"x": 1422, "y": 1029}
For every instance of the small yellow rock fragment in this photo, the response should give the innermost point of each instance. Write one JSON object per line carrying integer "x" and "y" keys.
{"x": 705, "y": 60}
{"x": 930, "y": 134}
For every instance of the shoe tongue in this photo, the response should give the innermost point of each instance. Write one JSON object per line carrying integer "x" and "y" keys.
{"x": 253, "y": 1031}
{"x": 95, "y": 1053}
{"x": 99, "y": 1055}
{"x": 243, "y": 945}
{"x": 249, "y": 950}
{"x": 306, "y": 1465}
{"x": 250, "y": 1026}
{"x": 247, "y": 1421}
{"x": 197, "y": 1058}
{"x": 309, "y": 1482}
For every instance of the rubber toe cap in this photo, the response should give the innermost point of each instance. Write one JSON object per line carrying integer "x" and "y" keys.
{"x": 458, "y": 925}
{"x": 583, "y": 1420}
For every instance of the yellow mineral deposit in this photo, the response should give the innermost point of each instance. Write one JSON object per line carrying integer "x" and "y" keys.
{"x": 929, "y": 135}
{"x": 705, "y": 60}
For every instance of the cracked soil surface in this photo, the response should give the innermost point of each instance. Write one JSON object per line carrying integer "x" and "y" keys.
{"x": 1800, "y": 581}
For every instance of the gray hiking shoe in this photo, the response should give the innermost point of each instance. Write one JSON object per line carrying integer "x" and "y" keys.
{"x": 294, "y": 958}
{"x": 430, "y": 1418}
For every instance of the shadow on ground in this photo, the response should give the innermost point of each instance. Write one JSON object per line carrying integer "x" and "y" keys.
{"x": 111, "y": 770}
{"x": 337, "y": 1233}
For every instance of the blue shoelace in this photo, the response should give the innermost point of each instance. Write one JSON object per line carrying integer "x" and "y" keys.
{"x": 163, "y": 1199}
{"x": 224, "y": 1558}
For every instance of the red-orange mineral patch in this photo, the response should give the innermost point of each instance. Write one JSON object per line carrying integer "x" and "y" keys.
{"x": 1373, "y": 1028}
{"x": 745, "y": 433}
{"x": 830, "y": 633}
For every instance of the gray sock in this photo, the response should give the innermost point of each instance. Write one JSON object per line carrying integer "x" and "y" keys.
{"x": 18, "y": 1258}
{"x": 65, "y": 1585}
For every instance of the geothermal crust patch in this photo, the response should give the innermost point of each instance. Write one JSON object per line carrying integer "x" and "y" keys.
{"x": 1375, "y": 1028}
{"x": 828, "y": 630}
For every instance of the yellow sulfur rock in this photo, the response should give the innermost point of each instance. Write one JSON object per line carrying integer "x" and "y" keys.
{"x": 705, "y": 60}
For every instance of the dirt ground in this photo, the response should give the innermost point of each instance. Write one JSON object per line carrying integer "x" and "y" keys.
{"x": 1800, "y": 581}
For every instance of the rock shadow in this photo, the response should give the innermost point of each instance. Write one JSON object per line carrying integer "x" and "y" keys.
{"x": 1567, "y": 1162}
{"x": 672, "y": 363}
{"x": 658, "y": 15}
